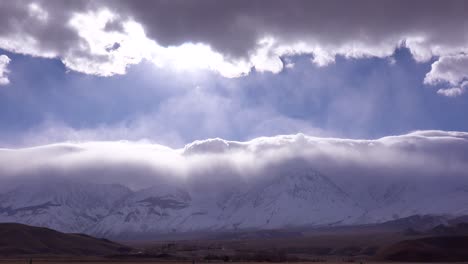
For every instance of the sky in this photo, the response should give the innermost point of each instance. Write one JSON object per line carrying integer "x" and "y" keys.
{"x": 220, "y": 97}
{"x": 135, "y": 91}
{"x": 171, "y": 72}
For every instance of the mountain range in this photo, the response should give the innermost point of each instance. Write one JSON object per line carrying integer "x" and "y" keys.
{"x": 288, "y": 198}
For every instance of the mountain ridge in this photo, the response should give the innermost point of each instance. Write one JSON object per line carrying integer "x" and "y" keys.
{"x": 288, "y": 198}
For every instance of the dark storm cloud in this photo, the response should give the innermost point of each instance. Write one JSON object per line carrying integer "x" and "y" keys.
{"x": 50, "y": 32}
{"x": 234, "y": 27}
{"x": 227, "y": 25}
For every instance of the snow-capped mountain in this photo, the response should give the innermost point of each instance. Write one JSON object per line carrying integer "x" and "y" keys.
{"x": 287, "y": 198}
{"x": 293, "y": 198}
{"x": 290, "y": 199}
{"x": 159, "y": 209}
{"x": 62, "y": 205}
{"x": 402, "y": 199}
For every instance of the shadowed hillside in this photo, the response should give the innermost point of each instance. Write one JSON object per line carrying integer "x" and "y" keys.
{"x": 18, "y": 239}
{"x": 430, "y": 249}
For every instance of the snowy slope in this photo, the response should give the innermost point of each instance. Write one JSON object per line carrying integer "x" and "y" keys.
{"x": 294, "y": 198}
{"x": 403, "y": 199}
{"x": 287, "y": 198}
{"x": 159, "y": 209}
{"x": 61, "y": 205}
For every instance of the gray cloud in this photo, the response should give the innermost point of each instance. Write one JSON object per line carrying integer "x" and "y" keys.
{"x": 239, "y": 35}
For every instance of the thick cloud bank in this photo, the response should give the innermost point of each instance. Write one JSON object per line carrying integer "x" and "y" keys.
{"x": 214, "y": 184}
{"x": 231, "y": 38}
{"x": 214, "y": 162}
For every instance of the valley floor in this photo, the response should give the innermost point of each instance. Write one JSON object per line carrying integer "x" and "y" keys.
{"x": 62, "y": 261}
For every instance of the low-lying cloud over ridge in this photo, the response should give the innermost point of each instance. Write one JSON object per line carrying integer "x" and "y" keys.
{"x": 104, "y": 38}
{"x": 428, "y": 154}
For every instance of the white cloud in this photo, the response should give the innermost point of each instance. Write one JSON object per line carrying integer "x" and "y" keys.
{"x": 451, "y": 92}
{"x": 4, "y": 61}
{"x": 94, "y": 57}
{"x": 451, "y": 69}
